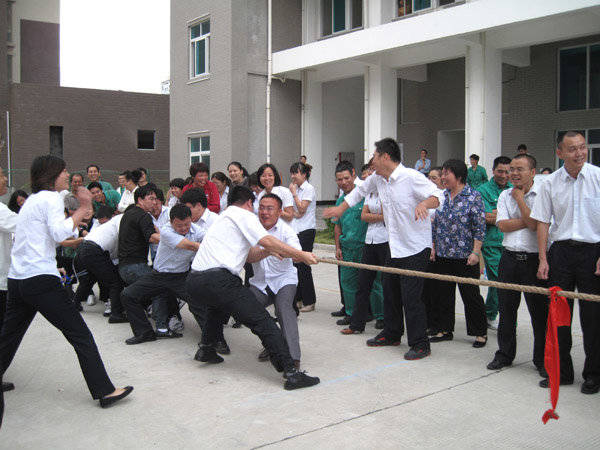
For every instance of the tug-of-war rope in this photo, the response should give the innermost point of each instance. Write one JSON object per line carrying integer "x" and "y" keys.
{"x": 559, "y": 313}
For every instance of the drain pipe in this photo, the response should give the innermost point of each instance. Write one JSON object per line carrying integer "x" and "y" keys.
{"x": 269, "y": 79}
{"x": 8, "y": 166}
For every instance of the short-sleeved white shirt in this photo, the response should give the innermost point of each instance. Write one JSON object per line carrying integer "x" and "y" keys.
{"x": 160, "y": 221}
{"x": 376, "y": 231}
{"x": 272, "y": 271}
{"x": 308, "y": 221}
{"x": 523, "y": 240}
{"x": 282, "y": 192}
{"x": 207, "y": 219}
{"x": 107, "y": 236}
{"x": 169, "y": 258}
{"x": 228, "y": 241}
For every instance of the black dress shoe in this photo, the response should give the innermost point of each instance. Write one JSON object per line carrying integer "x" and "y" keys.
{"x": 105, "y": 402}
{"x": 264, "y": 355}
{"x": 480, "y": 344}
{"x": 542, "y": 372}
{"x": 140, "y": 339}
{"x": 497, "y": 364}
{"x": 117, "y": 319}
{"x": 6, "y": 386}
{"x": 590, "y": 387}
{"x": 344, "y": 321}
{"x": 379, "y": 325}
{"x": 340, "y": 313}
{"x": 298, "y": 380}
{"x": 546, "y": 382}
{"x": 169, "y": 334}
{"x": 208, "y": 354}
{"x": 443, "y": 337}
{"x": 222, "y": 348}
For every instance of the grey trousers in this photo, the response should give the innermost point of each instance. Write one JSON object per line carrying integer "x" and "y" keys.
{"x": 284, "y": 310}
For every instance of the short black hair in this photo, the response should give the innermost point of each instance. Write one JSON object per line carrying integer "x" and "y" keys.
{"x": 571, "y": 133}
{"x": 159, "y": 193}
{"x": 474, "y": 156}
{"x": 458, "y": 168}
{"x": 12, "y": 203}
{"x": 437, "y": 168}
{"x": 141, "y": 169}
{"x": 239, "y": 195}
{"x": 93, "y": 165}
{"x": 221, "y": 177}
{"x": 253, "y": 179}
{"x": 344, "y": 165}
{"x": 198, "y": 167}
{"x": 44, "y": 171}
{"x": 75, "y": 174}
{"x": 530, "y": 159}
{"x": 389, "y": 146}
{"x": 501, "y": 160}
{"x": 521, "y": 146}
{"x": 177, "y": 182}
{"x": 365, "y": 167}
{"x": 424, "y": 150}
{"x": 104, "y": 212}
{"x": 275, "y": 197}
{"x": 547, "y": 169}
{"x": 144, "y": 191}
{"x": 133, "y": 175}
{"x": 302, "y": 168}
{"x": 194, "y": 196}
{"x": 264, "y": 167}
{"x": 94, "y": 184}
{"x": 180, "y": 211}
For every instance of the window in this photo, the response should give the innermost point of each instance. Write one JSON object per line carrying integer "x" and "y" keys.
{"x": 56, "y": 141}
{"x": 146, "y": 139}
{"x": 199, "y": 48}
{"x": 341, "y": 15}
{"x": 406, "y": 7}
{"x": 9, "y": 67}
{"x": 592, "y": 137}
{"x": 579, "y": 78}
{"x": 200, "y": 150}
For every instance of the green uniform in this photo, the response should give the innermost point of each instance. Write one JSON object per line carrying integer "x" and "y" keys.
{"x": 352, "y": 241}
{"x": 492, "y": 244}
{"x": 112, "y": 199}
{"x": 476, "y": 177}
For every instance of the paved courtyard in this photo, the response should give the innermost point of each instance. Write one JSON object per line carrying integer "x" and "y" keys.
{"x": 368, "y": 397}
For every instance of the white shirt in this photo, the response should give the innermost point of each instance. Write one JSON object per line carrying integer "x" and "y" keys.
{"x": 571, "y": 205}
{"x": 228, "y": 241}
{"x": 523, "y": 240}
{"x": 8, "y": 225}
{"x": 172, "y": 201}
{"x": 376, "y": 231}
{"x": 308, "y": 221}
{"x": 223, "y": 199}
{"x": 41, "y": 225}
{"x": 399, "y": 197}
{"x": 273, "y": 272}
{"x": 171, "y": 259}
{"x": 207, "y": 219}
{"x": 357, "y": 182}
{"x": 127, "y": 198}
{"x": 282, "y": 192}
{"x": 160, "y": 221}
{"x": 107, "y": 236}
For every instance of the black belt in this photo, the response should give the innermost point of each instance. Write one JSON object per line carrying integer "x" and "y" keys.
{"x": 215, "y": 269}
{"x": 572, "y": 243}
{"x": 521, "y": 256}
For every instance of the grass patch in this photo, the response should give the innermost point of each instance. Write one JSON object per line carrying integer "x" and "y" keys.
{"x": 324, "y": 237}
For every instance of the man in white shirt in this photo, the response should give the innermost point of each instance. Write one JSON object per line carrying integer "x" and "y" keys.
{"x": 275, "y": 280}
{"x": 179, "y": 241}
{"x": 405, "y": 196}
{"x": 215, "y": 282}
{"x": 519, "y": 264}
{"x": 570, "y": 200}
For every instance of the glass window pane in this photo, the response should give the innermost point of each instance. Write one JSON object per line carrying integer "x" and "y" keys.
{"x": 206, "y": 27}
{"x": 200, "y": 57}
{"x": 339, "y": 15}
{"x": 357, "y": 13}
{"x": 194, "y": 145}
{"x": 595, "y": 156}
{"x": 422, "y": 4}
{"x": 594, "y": 136}
{"x": 446, "y": 2}
{"x": 194, "y": 159}
{"x": 195, "y": 31}
{"x": 404, "y": 7}
{"x": 205, "y": 143}
{"x": 595, "y": 76}
{"x": 327, "y": 17}
{"x": 572, "y": 78}
{"x": 206, "y": 160}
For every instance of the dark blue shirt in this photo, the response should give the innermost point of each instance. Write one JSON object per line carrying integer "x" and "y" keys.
{"x": 458, "y": 223}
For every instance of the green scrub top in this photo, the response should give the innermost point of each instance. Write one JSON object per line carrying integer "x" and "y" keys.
{"x": 490, "y": 192}
{"x": 354, "y": 230}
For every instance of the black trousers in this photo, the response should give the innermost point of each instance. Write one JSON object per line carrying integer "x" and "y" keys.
{"x": 444, "y": 318}
{"x": 46, "y": 295}
{"x": 431, "y": 295}
{"x": 306, "y": 285}
{"x": 96, "y": 261}
{"x": 3, "y": 296}
{"x": 520, "y": 268}
{"x": 221, "y": 292}
{"x": 573, "y": 267}
{"x": 373, "y": 254}
{"x": 402, "y": 297}
{"x": 138, "y": 296}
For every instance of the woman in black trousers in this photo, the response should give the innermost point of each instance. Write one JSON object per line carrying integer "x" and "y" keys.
{"x": 34, "y": 282}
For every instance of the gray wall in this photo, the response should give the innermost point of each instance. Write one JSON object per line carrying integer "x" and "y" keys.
{"x": 40, "y": 57}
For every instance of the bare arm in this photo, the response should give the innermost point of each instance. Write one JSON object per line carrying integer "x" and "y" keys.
{"x": 525, "y": 211}
{"x": 337, "y": 232}
{"x": 509, "y": 225}
{"x": 288, "y": 213}
{"x": 335, "y": 211}
{"x": 154, "y": 238}
{"x": 71, "y": 243}
{"x": 542, "y": 238}
{"x": 490, "y": 218}
{"x": 186, "y": 244}
{"x": 421, "y": 212}
{"x": 273, "y": 245}
{"x": 256, "y": 254}
{"x": 367, "y": 216}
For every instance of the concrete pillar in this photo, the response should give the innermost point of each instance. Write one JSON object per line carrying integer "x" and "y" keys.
{"x": 312, "y": 128}
{"x": 381, "y": 105}
{"x": 483, "y": 102}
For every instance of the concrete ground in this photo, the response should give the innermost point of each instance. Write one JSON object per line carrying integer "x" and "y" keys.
{"x": 368, "y": 397}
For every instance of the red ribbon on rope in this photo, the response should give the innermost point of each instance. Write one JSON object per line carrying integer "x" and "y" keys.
{"x": 559, "y": 315}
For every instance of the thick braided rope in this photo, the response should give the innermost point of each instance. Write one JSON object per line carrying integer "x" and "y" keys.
{"x": 451, "y": 278}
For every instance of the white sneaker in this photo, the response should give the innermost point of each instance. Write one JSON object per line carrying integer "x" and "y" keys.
{"x": 493, "y": 324}
{"x": 175, "y": 324}
{"x": 107, "y": 309}
{"x": 91, "y": 300}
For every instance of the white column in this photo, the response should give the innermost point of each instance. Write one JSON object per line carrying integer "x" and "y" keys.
{"x": 381, "y": 105}
{"x": 312, "y": 128}
{"x": 483, "y": 102}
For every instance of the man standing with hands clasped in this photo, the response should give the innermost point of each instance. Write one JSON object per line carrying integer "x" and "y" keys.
{"x": 406, "y": 195}
{"x": 570, "y": 199}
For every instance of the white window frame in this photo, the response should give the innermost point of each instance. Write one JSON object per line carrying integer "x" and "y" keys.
{"x": 588, "y": 51}
{"x": 192, "y": 47}
{"x": 435, "y": 4}
{"x": 347, "y": 20}
{"x": 591, "y": 147}
{"x": 202, "y": 152}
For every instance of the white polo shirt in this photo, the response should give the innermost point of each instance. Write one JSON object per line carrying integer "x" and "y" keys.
{"x": 41, "y": 226}
{"x": 399, "y": 197}
{"x": 127, "y": 198}
{"x": 523, "y": 240}
{"x": 160, "y": 221}
{"x": 207, "y": 219}
{"x": 8, "y": 225}
{"x": 308, "y": 221}
{"x": 282, "y": 192}
{"x": 376, "y": 231}
{"x": 570, "y": 205}
{"x": 272, "y": 271}
{"x": 228, "y": 241}
{"x": 223, "y": 198}
{"x": 107, "y": 236}
{"x": 169, "y": 258}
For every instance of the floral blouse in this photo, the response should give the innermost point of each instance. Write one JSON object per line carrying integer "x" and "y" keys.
{"x": 458, "y": 223}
